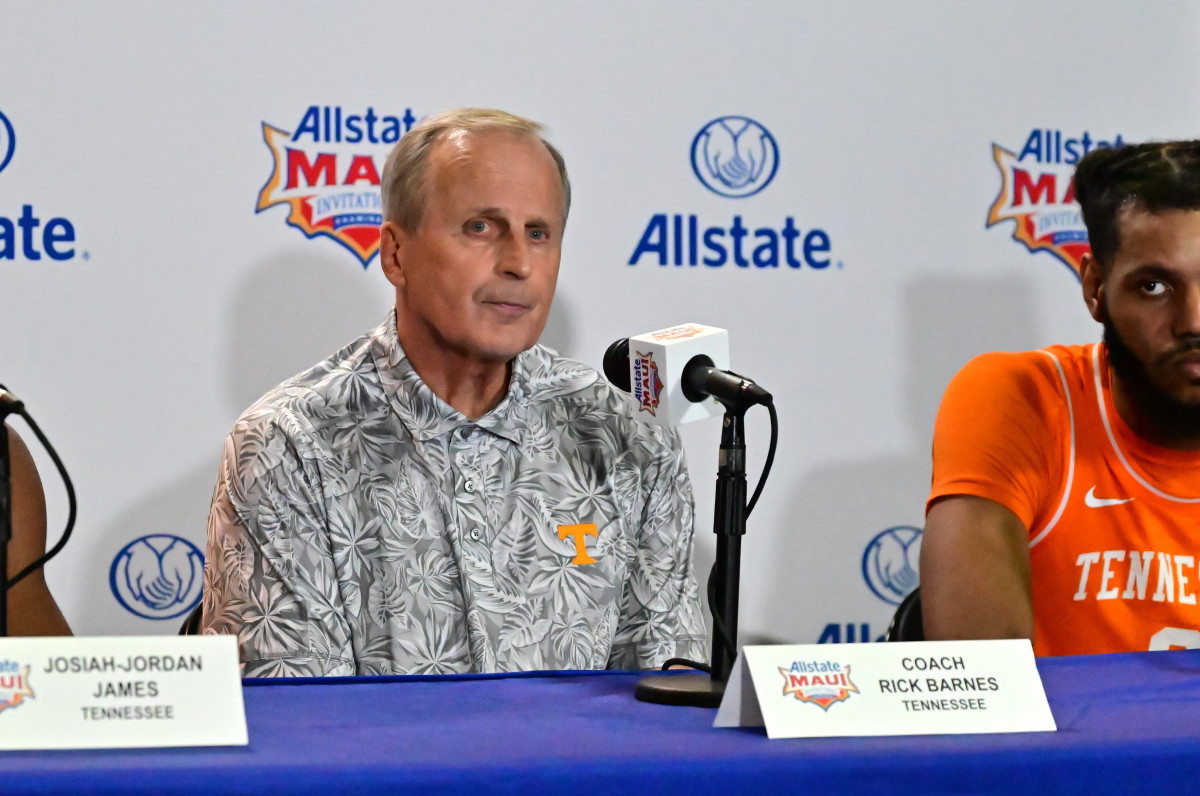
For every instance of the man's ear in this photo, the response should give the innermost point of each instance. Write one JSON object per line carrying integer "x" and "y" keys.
{"x": 1092, "y": 277}
{"x": 392, "y": 240}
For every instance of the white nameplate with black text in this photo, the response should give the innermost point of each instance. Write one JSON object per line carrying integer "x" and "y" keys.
{"x": 891, "y": 688}
{"x": 124, "y": 692}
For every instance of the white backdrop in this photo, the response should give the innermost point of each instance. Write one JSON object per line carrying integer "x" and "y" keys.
{"x": 141, "y": 124}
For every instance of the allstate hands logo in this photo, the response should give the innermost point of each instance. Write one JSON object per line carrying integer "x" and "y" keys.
{"x": 890, "y": 562}
{"x": 735, "y": 156}
{"x": 8, "y": 141}
{"x": 158, "y": 576}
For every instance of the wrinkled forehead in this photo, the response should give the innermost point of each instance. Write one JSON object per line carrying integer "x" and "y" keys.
{"x": 460, "y": 159}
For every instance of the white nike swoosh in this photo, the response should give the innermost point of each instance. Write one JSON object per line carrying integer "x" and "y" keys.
{"x": 1092, "y": 502}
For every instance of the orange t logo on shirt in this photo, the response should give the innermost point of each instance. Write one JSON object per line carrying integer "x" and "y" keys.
{"x": 579, "y": 532}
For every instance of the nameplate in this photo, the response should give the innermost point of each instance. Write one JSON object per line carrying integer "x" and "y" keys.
{"x": 117, "y": 693}
{"x": 890, "y": 688}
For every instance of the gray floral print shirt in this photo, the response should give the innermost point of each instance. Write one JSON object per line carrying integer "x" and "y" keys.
{"x": 360, "y": 525}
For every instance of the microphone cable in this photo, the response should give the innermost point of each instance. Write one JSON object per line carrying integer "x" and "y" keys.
{"x": 17, "y": 407}
{"x": 722, "y": 633}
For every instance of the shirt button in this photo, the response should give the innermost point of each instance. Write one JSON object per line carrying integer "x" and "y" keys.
{"x": 465, "y": 431}
{"x": 475, "y": 534}
{"x": 469, "y": 485}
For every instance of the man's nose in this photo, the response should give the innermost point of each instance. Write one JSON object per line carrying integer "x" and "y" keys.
{"x": 516, "y": 259}
{"x": 1187, "y": 321}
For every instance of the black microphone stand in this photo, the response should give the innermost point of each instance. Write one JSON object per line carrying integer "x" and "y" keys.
{"x": 729, "y": 524}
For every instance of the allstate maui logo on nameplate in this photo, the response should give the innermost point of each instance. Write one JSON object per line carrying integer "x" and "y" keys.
{"x": 1037, "y": 192}
{"x": 890, "y": 569}
{"x": 820, "y": 683}
{"x": 735, "y": 157}
{"x": 14, "y": 684}
{"x": 23, "y": 235}
{"x": 327, "y": 171}
{"x": 158, "y": 576}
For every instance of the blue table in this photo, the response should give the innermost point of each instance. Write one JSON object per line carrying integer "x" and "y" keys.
{"x": 1127, "y": 723}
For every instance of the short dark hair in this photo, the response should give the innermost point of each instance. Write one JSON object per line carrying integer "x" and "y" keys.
{"x": 1160, "y": 175}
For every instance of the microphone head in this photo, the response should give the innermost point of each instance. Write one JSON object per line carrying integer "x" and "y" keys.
{"x": 657, "y": 362}
{"x": 616, "y": 364}
{"x": 9, "y": 403}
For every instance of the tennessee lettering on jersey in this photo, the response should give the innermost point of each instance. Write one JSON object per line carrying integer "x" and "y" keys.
{"x": 1112, "y": 519}
{"x": 1173, "y": 574}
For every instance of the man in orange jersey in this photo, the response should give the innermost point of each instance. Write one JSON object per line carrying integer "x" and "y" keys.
{"x": 1066, "y": 482}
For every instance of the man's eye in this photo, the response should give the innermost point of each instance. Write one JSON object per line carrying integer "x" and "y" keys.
{"x": 1153, "y": 287}
{"x": 477, "y": 226}
{"x": 537, "y": 234}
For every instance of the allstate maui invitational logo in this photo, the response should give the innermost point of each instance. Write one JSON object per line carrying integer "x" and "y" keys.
{"x": 14, "y": 684}
{"x": 1037, "y": 192}
{"x": 890, "y": 563}
{"x": 821, "y": 683}
{"x": 647, "y": 385}
{"x": 158, "y": 576}
{"x": 735, "y": 157}
{"x": 327, "y": 171}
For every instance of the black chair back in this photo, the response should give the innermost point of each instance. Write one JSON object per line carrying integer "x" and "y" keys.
{"x": 191, "y": 625}
{"x": 906, "y": 623}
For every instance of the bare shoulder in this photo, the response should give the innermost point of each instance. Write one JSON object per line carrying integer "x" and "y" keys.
{"x": 28, "y": 500}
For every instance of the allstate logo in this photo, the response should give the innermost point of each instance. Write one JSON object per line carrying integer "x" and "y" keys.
{"x": 735, "y": 156}
{"x": 8, "y": 141}
{"x": 158, "y": 576}
{"x": 889, "y": 563}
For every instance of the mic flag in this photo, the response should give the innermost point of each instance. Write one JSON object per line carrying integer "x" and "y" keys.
{"x": 651, "y": 368}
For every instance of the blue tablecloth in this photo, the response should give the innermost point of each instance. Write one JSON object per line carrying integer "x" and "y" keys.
{"x": 1127, "y": 723}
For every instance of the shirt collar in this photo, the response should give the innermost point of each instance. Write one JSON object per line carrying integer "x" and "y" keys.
{"x": 423, "y": 413}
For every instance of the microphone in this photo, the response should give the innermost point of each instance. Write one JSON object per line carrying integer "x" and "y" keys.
{"x": 9, "y": 403}
{"x": 680, "y": 374}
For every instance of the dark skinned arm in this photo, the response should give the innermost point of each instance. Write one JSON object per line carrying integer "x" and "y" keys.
{"x": 31, "y": 608}
{"x": 975, "y": 579}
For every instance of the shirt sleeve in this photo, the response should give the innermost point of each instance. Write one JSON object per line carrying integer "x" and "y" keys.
{"x": 661, "y": 615}
{"x": 269, "y": 576}
{"x": 1000, "y": 434}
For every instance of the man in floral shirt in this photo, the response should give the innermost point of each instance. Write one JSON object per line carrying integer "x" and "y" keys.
{"x": 444, "y": 495}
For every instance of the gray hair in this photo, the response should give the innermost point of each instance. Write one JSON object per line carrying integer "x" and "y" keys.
{"x": 405, "y": 175}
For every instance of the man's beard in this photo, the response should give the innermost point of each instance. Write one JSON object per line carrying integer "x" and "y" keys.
{"x": 1169, "y": 416}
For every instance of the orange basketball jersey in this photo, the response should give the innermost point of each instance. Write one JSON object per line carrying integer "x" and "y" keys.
{"x": 1114, "y": 522}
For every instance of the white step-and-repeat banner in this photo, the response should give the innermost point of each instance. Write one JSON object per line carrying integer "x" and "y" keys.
{"x": 189, "y": 201}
